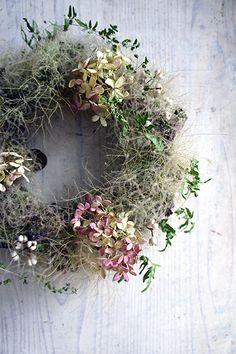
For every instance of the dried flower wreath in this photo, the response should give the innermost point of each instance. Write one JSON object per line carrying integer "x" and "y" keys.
{"x": 105, "y": 231}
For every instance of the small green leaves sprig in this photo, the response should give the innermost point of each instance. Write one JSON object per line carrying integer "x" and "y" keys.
{"x": 142, "y": 124}
{"x": 186, "y": 215}
{"x": 150, "y": 270}
{"x": 63, "y": 290}
{"x": 37, "y": 35}
{"x": 169, "y": 231}
{"x": 187, "y": 225}
{"x": 108, "y": 33}
{"x": 7, "y": 280}
{"x": 145, "y": 127}
{"x": 191, "y": 183}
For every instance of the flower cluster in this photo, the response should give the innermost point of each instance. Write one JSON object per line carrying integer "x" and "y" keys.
{"x": 27, "y": 247}
{"x": 11, "y": 168}
{"x": 113, "y": 238}
{"x": 96, "y": 79}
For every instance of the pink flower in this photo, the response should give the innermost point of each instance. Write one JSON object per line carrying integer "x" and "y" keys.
{"x": 117, "y": 246}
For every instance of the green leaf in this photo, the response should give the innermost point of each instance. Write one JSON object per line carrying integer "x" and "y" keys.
{"x": 5, "y": 281}
{"x": 156, "y": 141}
{"x": 186, "y": 215}
{"x": 95, "y": 26}
{"x": 66, "y": 23}
{"x": 81, "y": 24}
{"x": 28, "y": 25}
{"x": 192, "y": 181}
{"x": 149, "y": 275}
{"x": 169, "y": 231}
{"x": 70, "y": 11}
{"x": 3, "y": 265}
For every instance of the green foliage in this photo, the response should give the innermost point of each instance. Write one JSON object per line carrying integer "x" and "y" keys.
{"x": 33, "y": 29}
{"x": 36, "y": 35}
{"x": 3, "y": 265}
{"x": 68, "y": 20}
{"x": 121, "y": 116}
{"x": 187, "y": 225}
{"x": 168, "y": 230}
{"x": 145, "y": 127}
{"x": 186, "y": 215}
{"x": 65, "y": 289}
{"x": 192, "y": 181}
{"x": 150, "y": 270}
{"x": 5, "y": 281}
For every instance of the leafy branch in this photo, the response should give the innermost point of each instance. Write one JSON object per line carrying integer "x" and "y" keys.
{"x": 145, "y": 127}
{"x": 150, "y": 270}
{"x": 169, "y": 231}
{"x": 187, "y": 225}
{"x": 186, "y": 215}
{"x": 70, "y": 19}
{"x": 5, "y": 281}
{"x": 108, "y": 33}
{"x": 192, "y": 181}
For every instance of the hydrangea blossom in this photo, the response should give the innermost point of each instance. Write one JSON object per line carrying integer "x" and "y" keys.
{"x": 95, "y": 78}
{"x": 11, "y": 168}
{"x": 113, "y": 237}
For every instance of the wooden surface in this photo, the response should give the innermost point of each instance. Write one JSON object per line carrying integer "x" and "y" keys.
{"x": 191, "y": 307}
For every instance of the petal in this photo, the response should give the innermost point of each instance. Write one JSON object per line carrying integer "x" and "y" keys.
{"x": 92, "y": 71}
{"x": 103, "y": 122}
{"x": 110, "y": 82}
{"x": 72, "y": 83}
{"x": 95, "y": 118}
{"x": 120, "y": 82}
{"x": 126, "y": 276}
{"x": 117, "y": 277}
{"x": 92, "y": 81}
{"x": 2, "y": 188}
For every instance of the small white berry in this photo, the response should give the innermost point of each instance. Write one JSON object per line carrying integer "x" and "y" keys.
{"x": 29, "y": 244}
{"x": 32, "y": 260}
{"x": 15, "y": 256}
{"x": 32, "y": 245}
{"x": 18, "y": 246}
{"x": 22, "y": 238}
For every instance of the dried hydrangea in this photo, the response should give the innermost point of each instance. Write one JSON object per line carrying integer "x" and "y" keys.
{"x": 11, "y": 168}
{"x": 105, "y": 76}
{"x": 113, "y": 238}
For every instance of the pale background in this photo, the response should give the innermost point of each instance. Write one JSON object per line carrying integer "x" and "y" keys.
{"x": 191, "y": 306}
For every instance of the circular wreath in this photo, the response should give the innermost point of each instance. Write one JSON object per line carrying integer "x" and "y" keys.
{"x": 103, "y": 229}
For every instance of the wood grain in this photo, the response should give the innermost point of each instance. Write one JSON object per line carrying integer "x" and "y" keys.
{"x": 191, "y": 307}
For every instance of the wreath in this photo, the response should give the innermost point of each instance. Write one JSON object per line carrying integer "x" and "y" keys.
{"x": 105, "y": 229}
